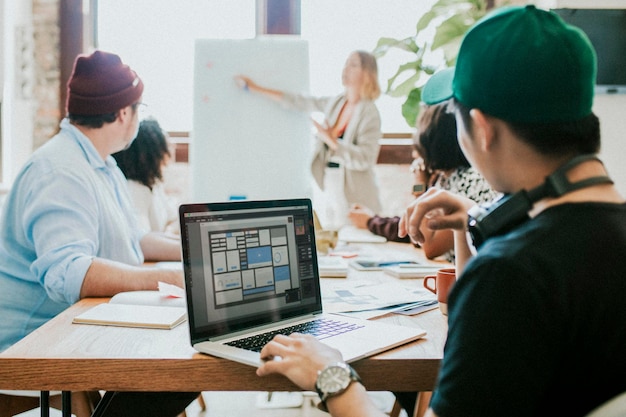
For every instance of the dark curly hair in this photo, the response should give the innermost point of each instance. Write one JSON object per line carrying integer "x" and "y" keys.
{"x": 143, "y": 159}
{"x": 436, "y": 140}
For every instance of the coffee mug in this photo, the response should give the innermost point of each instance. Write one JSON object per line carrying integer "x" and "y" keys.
{"x": 443, "y": 282}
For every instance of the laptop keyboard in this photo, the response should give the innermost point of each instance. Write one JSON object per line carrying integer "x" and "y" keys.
{"x": 320, "y": 328}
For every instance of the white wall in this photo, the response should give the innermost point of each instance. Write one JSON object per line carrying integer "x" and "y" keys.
{"x": 611, "y": 109}
{"x": 3, "y": 64}
{"x": 580, "y": 4}
{"x": 18, "y": 106}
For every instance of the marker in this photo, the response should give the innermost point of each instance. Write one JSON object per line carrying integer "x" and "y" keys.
{"x": 242, "y": 84}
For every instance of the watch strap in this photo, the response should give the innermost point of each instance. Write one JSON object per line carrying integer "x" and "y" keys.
{"x": 354, "y": 377}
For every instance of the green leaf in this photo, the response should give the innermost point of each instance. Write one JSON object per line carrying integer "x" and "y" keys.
{"x": 384, "y": 44}
{"x": 425, "y": 20}
{"x": 479, "y": 6}
{"x": 451, "y": 50}
{"x": 409, "y": 66}
{"x": 450, "y": 29}
{"x": 453, "y": 19}
{"x": 406, "y": 86}
{"x": 411, "y": 107}
{"x": 449, "y": 6}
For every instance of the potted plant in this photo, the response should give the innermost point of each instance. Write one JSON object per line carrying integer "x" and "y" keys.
{"x": 434, "y": 45}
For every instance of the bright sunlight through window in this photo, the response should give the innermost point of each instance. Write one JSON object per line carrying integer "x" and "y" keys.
{"x": 156, "y": 38}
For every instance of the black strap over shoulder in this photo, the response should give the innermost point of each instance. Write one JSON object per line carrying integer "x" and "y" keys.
{"x": 557, "y": 183}
{"x": 512, "y": 210}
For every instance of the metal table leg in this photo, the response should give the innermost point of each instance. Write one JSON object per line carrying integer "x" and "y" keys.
{"x": 44, "y": 403}
{"x": 66, "y": 401}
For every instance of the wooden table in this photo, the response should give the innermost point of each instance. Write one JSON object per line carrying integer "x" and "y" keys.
{"x": 70, "y": 357}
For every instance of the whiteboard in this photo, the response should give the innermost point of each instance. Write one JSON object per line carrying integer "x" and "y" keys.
{"x": 244, "y": 145}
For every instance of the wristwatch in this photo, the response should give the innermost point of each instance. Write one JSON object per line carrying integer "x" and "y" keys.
{"x": 334, "y": 379}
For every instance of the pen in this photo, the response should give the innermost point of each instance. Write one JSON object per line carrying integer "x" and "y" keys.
{"x": 401, "y": 263}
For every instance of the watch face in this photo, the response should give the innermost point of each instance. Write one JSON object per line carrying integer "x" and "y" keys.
{"x": 334, "y": 379}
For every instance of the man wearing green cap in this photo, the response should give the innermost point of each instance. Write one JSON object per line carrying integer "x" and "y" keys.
{"x": 536, "y": 318}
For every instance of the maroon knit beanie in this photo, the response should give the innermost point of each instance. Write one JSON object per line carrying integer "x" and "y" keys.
{"x": 100, "y": 84}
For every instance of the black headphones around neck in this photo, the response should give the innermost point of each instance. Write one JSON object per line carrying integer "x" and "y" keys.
{"x": 510, "y": 211}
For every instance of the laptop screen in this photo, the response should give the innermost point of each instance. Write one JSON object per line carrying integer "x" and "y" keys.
{"x": 248, "y": 263}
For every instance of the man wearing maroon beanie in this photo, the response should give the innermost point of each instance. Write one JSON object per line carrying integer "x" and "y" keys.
{"x": 67, "y": 229}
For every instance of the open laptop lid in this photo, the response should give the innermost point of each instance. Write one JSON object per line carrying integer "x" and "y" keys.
{"x": 248, "y": 263}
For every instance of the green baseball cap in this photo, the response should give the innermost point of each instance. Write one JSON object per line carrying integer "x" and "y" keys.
{"x": 521, "y": 64}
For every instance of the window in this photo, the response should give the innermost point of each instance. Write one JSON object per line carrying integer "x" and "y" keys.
{"x": 156, "y": 38}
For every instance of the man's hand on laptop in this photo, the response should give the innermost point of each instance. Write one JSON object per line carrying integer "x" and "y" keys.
{"x": 301, "y": 358}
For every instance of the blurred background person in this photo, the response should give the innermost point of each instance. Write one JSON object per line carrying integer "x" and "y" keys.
{"x": 438, "y": 162}
{"x": 347, "y": 147}
{"x": 142, "y": 163}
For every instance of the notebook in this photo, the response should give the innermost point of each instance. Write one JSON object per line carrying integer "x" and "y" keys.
{"x": 133, "y": 315}
{"x": 251, "y": 268}
{"x": 332, "y": 267}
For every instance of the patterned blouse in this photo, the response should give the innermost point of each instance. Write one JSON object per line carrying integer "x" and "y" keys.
{"x": 469, "y": 183}
{"x": 463, "y": 181}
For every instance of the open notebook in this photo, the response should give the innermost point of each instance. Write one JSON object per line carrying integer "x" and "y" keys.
{"x": 251, "y": 269}
{"x": 148, "y": 309}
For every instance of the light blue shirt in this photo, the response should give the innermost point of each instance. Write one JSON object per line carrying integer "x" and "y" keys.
{"x": 66, "y": 206}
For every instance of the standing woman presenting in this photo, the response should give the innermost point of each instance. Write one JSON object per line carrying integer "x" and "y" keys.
{"x": 347, "y": 147}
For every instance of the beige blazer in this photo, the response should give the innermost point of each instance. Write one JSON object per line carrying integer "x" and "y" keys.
{"x": 357, "y": 152}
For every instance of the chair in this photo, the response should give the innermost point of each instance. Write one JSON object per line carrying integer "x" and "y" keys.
{"x": 396, "y": 409}
{"x": 423, "y": 401}
{"x": 16, "y": 402}
{"x": 615, "y": 407}
{"x": 201, "y": 402}
{"x": 421, "y": 405}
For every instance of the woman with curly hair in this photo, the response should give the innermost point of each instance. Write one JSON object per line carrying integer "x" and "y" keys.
{"x": 438, "y": 163}
{"x": 142, "y": 163}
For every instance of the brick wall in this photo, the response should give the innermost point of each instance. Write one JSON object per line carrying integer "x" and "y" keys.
{"x": 46, "y": 85}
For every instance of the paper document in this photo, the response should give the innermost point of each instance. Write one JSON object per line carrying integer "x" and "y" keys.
{"x": 411, "y": 271}
{"x": 409, "y": 309}
{"x": 149, "y": 298}
{"x": 350, "y": 296}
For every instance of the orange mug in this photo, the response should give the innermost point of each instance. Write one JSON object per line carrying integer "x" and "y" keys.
{"x": 443, "y": 282}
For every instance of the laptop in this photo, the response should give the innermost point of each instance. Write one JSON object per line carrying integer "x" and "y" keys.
{"x": 251, "y": 271}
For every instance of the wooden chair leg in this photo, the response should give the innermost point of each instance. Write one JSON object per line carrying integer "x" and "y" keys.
{"x": 201, "y": 402}
{"x": 396, "y": 409}
{"x": 83, "y": 402}
{"x": 421, "y": 406}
